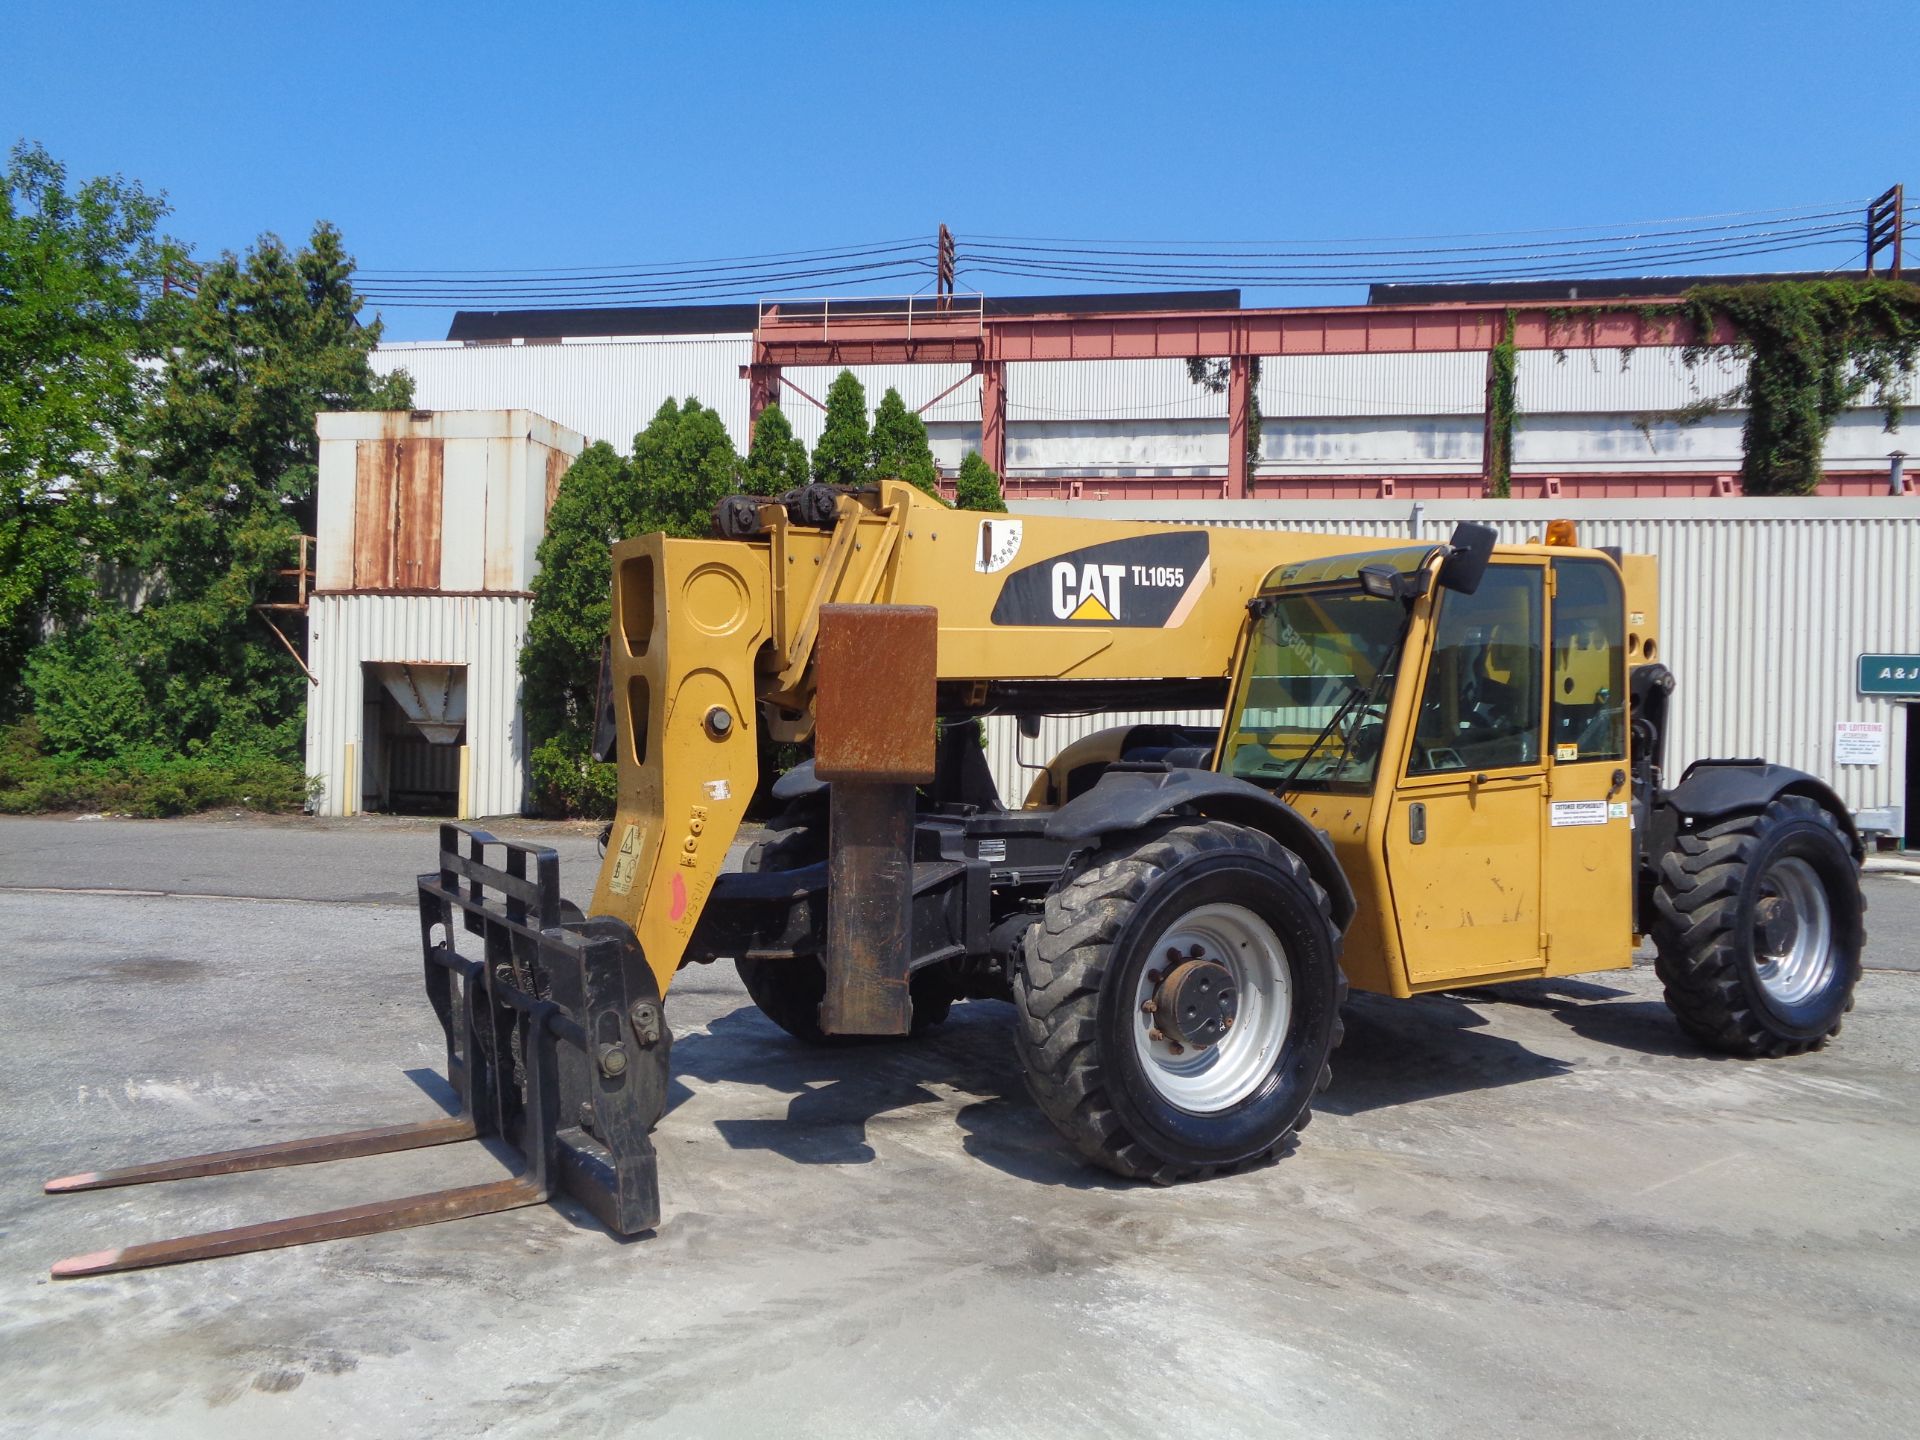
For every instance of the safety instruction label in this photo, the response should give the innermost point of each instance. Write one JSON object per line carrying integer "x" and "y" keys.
{"x": 626, "y": 862}
{"x": 1579, "y": 812}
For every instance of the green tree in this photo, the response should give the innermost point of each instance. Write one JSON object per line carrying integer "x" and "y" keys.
{"x": 842, "y": 456}
{"x": 777, "y": 460}
{"x": 87, "y": 704}
{"x": 598, "y": 503}
{"x": 226, "y": 482}
{"x": 978, "y": 488}
{"x": 898, "y": 448}
{"x": 80, "y": 272}
{"x": 684, "y": 463}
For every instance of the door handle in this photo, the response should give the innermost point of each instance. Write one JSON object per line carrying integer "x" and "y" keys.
{"x": 1417, "y": 823}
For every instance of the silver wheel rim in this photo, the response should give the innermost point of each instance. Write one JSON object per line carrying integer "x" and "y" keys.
{"x": 1792, "y": 933}
{"x": 1205, "y": 1082}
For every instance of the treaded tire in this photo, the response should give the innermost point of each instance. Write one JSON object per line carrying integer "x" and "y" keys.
{"x": 789, "y": 992}
{"x": 1074, "y": 993}
{"x": 1704, "y": 919}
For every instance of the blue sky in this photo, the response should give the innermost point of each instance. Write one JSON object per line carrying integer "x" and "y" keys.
{"x": 449, "y": 137}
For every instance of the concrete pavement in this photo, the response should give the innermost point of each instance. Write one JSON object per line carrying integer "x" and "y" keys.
{"x": 1538, "y": 1209}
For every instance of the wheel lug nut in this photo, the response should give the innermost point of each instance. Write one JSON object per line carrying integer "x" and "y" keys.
{"x": 1176, "y": 1047}
{"x": 1156, "y": 1033}
{"x": 1151, "y": 1007}
{"x": 1174, "y": 957}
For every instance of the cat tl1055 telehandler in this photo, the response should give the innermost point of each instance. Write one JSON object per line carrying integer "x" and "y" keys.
{"x": 1440, "y": 765}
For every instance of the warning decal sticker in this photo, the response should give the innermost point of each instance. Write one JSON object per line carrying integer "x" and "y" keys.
{"x": 1579, "y": 812}
{"x": 1145, "y": 582}
{"x": 999, "y": 543}
{"x": 626, "y": 862}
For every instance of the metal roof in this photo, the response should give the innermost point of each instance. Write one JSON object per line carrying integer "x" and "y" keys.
{"x": 479, "y": 327}
{"x": 1611, "y": 287}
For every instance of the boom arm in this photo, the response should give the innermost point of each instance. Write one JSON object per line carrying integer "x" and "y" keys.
{"x": 712, "y": 638}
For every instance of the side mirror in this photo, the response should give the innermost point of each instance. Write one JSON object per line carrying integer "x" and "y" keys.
{"x": 1029, "y": 725}
{"x": 1466, "y": 563}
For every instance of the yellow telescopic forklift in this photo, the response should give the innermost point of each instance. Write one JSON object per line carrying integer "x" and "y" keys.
{"x": 1440, "y": 765}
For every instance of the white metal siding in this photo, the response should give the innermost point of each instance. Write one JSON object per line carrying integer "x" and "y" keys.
{"x": 483, "y": 633}
{"x": 607, "y": 390}
{"x": 1017, "y": 761}
{"x": 1580, "y": 410}
{"x": 1336, "y": 386}
{"x": 1764, "y": 606}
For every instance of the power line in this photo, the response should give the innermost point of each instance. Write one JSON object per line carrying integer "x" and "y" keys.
{"x": 567, "y": 269}
{"x": 1490, "y": 256}
{"x": 1607, "y": 241}
{"x": 1846, "y": 207}
{"x": 736, "y": 284}
{"x": 1428, "y": 272}
{"x": 641, "y": 273}
{"x": 614, "y": 304}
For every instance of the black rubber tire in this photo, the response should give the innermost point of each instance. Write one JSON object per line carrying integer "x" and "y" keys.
{"x": 789, "y": 992}
{"x": 1075, "y": 986}
{"x": 1703, "y": 926}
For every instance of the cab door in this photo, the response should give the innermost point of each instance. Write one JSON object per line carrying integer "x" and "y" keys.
{"x": 1463, "y": 841}
{"x": 1589, "y": 835}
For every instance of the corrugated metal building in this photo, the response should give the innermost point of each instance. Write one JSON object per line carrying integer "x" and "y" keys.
{"x": 1765, "y": 607}
{"x": 1766, "y": 602}
{"x": 428, "y": 527}
{"x": 1582, "y": 414}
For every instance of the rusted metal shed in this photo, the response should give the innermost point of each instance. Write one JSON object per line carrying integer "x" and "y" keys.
{"x": 429, "y": 524}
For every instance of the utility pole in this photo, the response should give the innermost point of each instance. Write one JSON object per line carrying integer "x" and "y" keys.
{"x": 1886, "y": 216}
{"x": 944, "y": 268}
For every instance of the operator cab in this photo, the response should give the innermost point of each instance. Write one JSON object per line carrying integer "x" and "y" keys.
{"x": 1455, "y": 719}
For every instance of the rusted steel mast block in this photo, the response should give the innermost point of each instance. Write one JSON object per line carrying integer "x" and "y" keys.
{"x": 874, "y": 672}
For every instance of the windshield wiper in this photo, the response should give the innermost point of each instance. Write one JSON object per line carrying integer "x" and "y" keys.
{"x": 1355, "y": 692}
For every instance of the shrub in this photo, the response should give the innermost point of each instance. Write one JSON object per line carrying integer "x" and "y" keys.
{"x": 146, "y": 783}
{"x": 567, "y": 780}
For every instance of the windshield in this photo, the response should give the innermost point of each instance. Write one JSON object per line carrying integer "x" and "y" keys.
{"x": 1310, "y": 710}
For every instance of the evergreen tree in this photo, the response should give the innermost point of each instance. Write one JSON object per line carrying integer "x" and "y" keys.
{"x": 978, "y": 487}
{"x": 898, "y": 449}
{"x": 683, "y": 463}
{"x": 597, "y": 505}
{"x": 777, "y": 460}
{"x": 842, "y": 456}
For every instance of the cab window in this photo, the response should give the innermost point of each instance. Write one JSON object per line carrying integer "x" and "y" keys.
{"x": 1480, "y": 709}
{"x": 1588, "y": 720}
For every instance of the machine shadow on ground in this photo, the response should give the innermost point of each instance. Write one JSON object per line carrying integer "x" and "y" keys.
{"x": 1602, "y": 1014}
{"x": 1395, "y": 1052}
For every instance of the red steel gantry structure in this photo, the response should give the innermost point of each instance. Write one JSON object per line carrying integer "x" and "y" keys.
{"x": 957, "y": 330}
